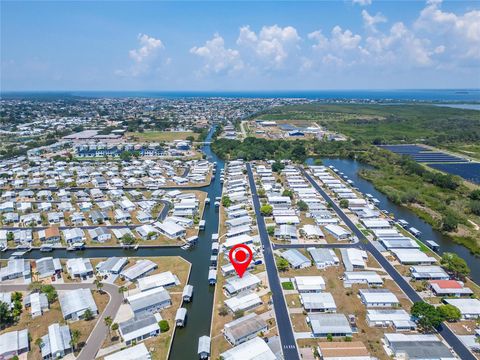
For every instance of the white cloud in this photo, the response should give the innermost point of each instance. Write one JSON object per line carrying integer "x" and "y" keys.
{"x": 143, "y": 57}
{"x": 460, "y": 33}
{"x": 272, "y": 45}
{"x": 148, "y": 47}
{"x": 370, "y": 21}
{"x": 362, "y": 2}
{"x": 216, "y": 57}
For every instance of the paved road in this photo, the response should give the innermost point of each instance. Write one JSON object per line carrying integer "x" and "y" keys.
{"x": 289, "y": 346}
{"x": 446, "y": 333}
{"x": 166, "y": 208}
{"x": 100, "y": 331}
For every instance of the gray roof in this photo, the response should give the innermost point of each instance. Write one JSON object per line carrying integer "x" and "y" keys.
{"x": 112, "y": 264}
{"x": 135, "y": 324}
{"x": 13, "y": 341}
{"x": 148, "y": 298}
{"x": 76, "y": 301}
{"x": 295, "y": 257}
{"x": 329, "y": 324}
{"x": 57, "y": 340}
{"x": 422, "y": 349}
{"x": 47, "y": 266}
{"x": 321, "y": 255}
{"x": 248, "y": 324}
{"x": 204, "y": 344}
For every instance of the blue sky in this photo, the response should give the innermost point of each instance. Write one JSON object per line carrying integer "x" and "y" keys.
{"x": 355, "y": 44}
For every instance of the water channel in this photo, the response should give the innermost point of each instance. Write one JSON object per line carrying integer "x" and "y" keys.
{"x": 351, "y": 168}
{"x": 199, "y": 311}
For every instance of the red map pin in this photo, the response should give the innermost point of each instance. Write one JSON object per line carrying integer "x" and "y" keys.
{"x": 240, "y": 256}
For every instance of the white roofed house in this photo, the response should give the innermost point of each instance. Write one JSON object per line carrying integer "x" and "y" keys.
{"x": 139, "y": 269}
{"x": 362, "y": 277}
{"x": 243, "y": 302}
{"x": 235, "y": 284}
{"x": 112, "y": 265}
{"x": 165, "y": 279}
{"x": 312, "y": 232}
{"x": 429, "y": 272}
{"x": 243, "y": 329}
{"x": 57, "y": 342}
{"x": 137, "y": 329}
{"x": 413, "y": 257}
{"x": 318, "y": 302}
{"x": 14, "y": 343}
{"x": 324, "y": 324}
{"x": 296, "y": 259}
{"x": 354, "y": 258}
{"x": 170, "y": 229}
{"x": 100, "y": 234}
{"x": 373, "y": 298}
{"x": 75, "y": 302}
{"x": 323, "y": 258}
{"x": 74, "y": 235}
{"x": 16, "y": 268}
{"x": 399, "y": 319}
{"x": 47, "y": 267}
{"x": 150, "y": 301}
{"x": 286, "y": 232}
{"x": 338, "y": 232}
{"x": 79, "y": 267}
{"x": 309, "y": 284}
{"x": 137, "y": 352}
{"x": 147, "y": 232}
{"x": 469, "y": 308}
{"x": 37, "y": 302}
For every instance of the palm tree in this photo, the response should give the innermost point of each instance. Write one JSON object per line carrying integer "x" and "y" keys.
{"x": 122, "y": 289}
{"x": 98, "y": 284}
{"x": 39, "y": 342}
{"x": 74, "y": 338}
{"x": 108, "y": 323}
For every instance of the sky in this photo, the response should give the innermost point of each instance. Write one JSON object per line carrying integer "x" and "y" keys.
{"x": 239, "y": 45}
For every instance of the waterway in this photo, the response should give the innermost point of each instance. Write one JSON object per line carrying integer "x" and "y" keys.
{"x": 199, "y": 311}
{"x": 351, "y": 168}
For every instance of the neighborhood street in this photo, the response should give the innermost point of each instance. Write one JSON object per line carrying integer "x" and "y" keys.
{"x": 284, "y": 325}
{"x": 447, "y": 334}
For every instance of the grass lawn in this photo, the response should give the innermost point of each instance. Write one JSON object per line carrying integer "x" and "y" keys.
{"x": 287, "y": 285}
{"x": 156, "y": 136}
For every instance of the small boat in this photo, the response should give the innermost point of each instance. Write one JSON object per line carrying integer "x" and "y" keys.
{"x": 207, "y": 201}
{"x": 375, "y": 201}
{"x": 185, "y": 247}
{"x": 403, "y": 223}
{"x": 217, "y": 203}
{"x": 415, "y": 232}
{"x": 46, "y": 248}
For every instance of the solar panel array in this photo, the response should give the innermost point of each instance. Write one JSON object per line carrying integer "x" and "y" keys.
{"x": 469, "y": 171}
{"x": 423, "y": 154}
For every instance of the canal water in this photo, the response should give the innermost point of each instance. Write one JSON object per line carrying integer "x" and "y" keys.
{"x": 199, "y": 311}
{"x": 351, "y": 168}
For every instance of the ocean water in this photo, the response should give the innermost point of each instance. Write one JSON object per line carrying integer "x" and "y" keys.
{"x": 443, "y": 95}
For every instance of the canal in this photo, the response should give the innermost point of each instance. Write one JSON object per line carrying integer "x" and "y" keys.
{"x": 199, "y": 311}
{"x": 351, "y": 168}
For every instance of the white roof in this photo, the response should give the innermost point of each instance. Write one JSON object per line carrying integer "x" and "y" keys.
{"x": 411, "y": 256}
{"x": 240, "y": 239}
{"x": 13, "y": 341}
{"x": 235, "y": 283}
{"x": 254, "y": 349}
{"x": 76, "y": 301}
{"x": 309, "y": 283}
{"x": 466, "y": 306}
{"x": 337, "y": 230}
{"x": 137, "y": 352}
{"x": 163, "y": 279}
{"x": 243, "y": 301}
{"x": 383, "y": 296}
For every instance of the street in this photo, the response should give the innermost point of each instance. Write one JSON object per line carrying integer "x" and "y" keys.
{"x": 289, "y": 346}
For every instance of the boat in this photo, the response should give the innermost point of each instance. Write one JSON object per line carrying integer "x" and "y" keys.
{"x": 207, "y": 201}
{"x": 403, "y": 223}
{"x": 185, "y": 247}
{"x": 217, "y": 203}
{"x": 375, "y": 201}
{"x": 415, "y": 232}
{"x": 46, "y": 248}
{"x": 25, "y": 247}
{"x": 350, "y": 182}
{"x": 432, "y": 245}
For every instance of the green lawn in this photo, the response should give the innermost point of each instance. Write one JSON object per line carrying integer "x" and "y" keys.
{"x": 157, "y": 136}
{"x": 287, "y": 285}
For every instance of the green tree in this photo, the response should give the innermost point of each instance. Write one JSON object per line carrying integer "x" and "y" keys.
{"x": 266, "y": 210}
{"x": 98, "y": 284}
{"x": 226, "y": 202}
{"x": 108, "y": 323}
{"x": 128, "y": 239}
{"x": 282, "y": 264}
{"x": 455, "y": 265}
{"x": 302, "y": 205}
{"x": 163, "y": 324}
{"x": 343, "y": 203}
{"x": 475, "y": 194}
{"x": 126, "y": 155}
{"x": 238, "y": 314}
{"x": 10, "y": 236}
{"x": 50, "y": 292}
{"x": 277, "y": 166}
{"x": 6, "y": 316}
{"x": 428, "y": 317}
{"x": 449, "y": 312}
{"x": 88, "y": 314}
{"x": 39, "y": 342}
{"x": 75, "y": 338}
{"x": 271, "y": 230}
{"x": 223, "y": 311}
{"x": 288, "y": 193}
{"x": 449, "y": 223}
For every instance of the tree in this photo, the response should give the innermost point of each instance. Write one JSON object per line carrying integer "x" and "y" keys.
{"x": 455, "y": 265}
{"x": 277, "y": 166}
{"x": 449, "y": 312}
{"x": 39, "y": 342}
{"x": 50, "y": 292}
{"x": 475, "y": 195}
{"x": 282, "y": 264}
{"x": 128, "y": 239}
{"x": 226, "y": 202}
{"x": 108, "y": 323}
{"x": 88, "y": 314}
{"x": 343, "y": 203}
{"x": 238, "y": 314}
{"x": 475, "y": 207}
{"x": 115, "y": 326}
{"x": 271, "y": 230}
{"x": 126, "y": 155}
{"x": 302, "y": 205}
{"x": 266, "y": 210}
{"x": 75, "y": 337}
{"x": 449, "y": 223}
{"x": 163, "y": 324}
{"x": 6, "y": 316}
{"x": 121, "y": 290}
{"x": 99, "y": 285}
{"x": 428, "y": 317}
{"x": 10, "y": 236}
{"x": 288, "y": 193}
{"x": 223, "y": 311}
